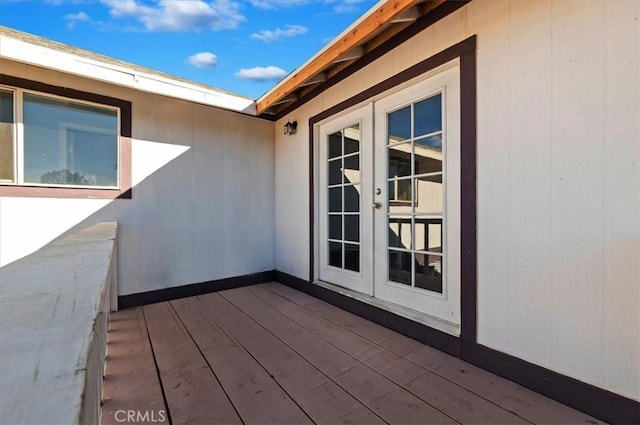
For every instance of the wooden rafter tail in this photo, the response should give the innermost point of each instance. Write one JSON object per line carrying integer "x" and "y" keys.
{"x": 357, "y": 36}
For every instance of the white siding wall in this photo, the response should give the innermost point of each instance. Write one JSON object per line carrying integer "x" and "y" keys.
{"x": 558, "y": 179}
{"x": 203, "y": 195}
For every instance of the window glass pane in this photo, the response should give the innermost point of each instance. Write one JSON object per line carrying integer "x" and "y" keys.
{"x": 69, "y": 143}
{"x": 428, "y": 194}
{"x": 352, "y": 228}
{"x": 335, "y": 254}
{"x": 399, "y": 124}
{"x": 400, "y": 267}
{"x": 7, "y": 129}
{"x": 352, "y": 198}
{"x": 428, "y": 154}
{"x": 428, "y": 234}
{"x": 6, "y": 106}
{"x": 400, "y": 232}
{"x": 335, "y": 199}
{"x": 428, "y": 116}
{"x": 352, "y": 169}
{"x": 429, "y": 272}
{"x": 335, "y": 227}
{"x": 352, "y": 139}
{"x": 335, "y": 144}
{"x": 352, "y": 257}
{"x": 335, "y": 171}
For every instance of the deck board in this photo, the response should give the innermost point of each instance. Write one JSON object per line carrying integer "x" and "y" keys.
{"x": 128, "y": 354}
{"x": 449, "y": 398}
{"x": 268, "y": 354}
{"x": 256, "y": 396}
{"x": 510, "y": 396}
{"x": 321, "y": 398}
{"x": 192, "y": 391}
{"x": 379, "y": 394}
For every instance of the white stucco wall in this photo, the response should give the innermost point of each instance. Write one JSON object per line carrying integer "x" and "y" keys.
{"x": 203, "y": 194}
{"x": 558, "y": 179}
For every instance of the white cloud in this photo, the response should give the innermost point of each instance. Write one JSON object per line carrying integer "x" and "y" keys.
{"x": 288, "y": 31}
{"x": 179, "y": 15}
{"x": 275, "y": 4}
{"x": 347, "y": 6}
{"x": 203, "y": 60}
{"x": 339, "y": 6}
{"x": 259, "y": 73}
{"x": 73, "y": 18}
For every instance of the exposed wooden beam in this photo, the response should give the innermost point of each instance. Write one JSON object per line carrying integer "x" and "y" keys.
{"x": 373, "y": 22}
{"x": 319, "y": 78}
{"x": 288, "y": 98}
{"x": 385, "y": 35}
{"x": 354, "y": 53}
{"x": 408, "y": 15}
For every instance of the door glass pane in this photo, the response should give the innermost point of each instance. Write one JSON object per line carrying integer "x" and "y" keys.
{"x": 352, "y": 169}
{"x": 400, "y": 267}
{"x": 399, "y": 125}
{"x": 352, "y": 228}
{"x": 428, "y": 154}
{"x": 415, "y": 194}
{"x": 429, "y": 272}
{"x": 352, "y": 198}
{"x": 352, "y": 139}
{"x": 399, "y": 160}
{"x": 335, "y": 171}
{"x": 400, "y": 232}
{"x": 428, "y": 234}
{"x": 7, "y": 129}
{"x": 335, "y": 145}
{"x": 352, "y": 257}
{"x": 429, "y": 194}
{"x": 335, "y": 254}
{"x": 335, "y": 227}
{"x": 343, "y": 214}
{"x": 69, "y": 143}
{"x": 428, "y": 116}
{"x": 335, "y": 199}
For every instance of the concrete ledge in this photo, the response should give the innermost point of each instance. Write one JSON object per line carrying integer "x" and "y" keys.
{"x": 54, "y": 309}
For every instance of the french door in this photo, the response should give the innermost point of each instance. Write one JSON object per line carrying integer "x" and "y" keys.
{"x": 346, "y": 177}
{"x": 390, "y": 228}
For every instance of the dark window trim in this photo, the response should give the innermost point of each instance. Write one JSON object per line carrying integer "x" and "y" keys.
{"x": 124, "y": 160}
{"x": 466, "y": 52}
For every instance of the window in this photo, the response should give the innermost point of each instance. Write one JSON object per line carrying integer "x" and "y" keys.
{"x": 344, "y": 198}
{"x": 62, "y": 142}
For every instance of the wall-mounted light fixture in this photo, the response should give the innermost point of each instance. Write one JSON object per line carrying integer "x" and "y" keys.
{"x": 290, "y": 128}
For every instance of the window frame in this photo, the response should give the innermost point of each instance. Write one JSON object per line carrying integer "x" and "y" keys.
{"x": 19, "y": 188}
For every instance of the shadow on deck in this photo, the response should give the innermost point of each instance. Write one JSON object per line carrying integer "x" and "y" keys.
{"x": 268, "y": 354}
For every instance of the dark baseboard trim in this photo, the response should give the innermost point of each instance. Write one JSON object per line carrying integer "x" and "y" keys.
{"x": 176, "y": 292}
{"x": 432, "y": 337}
{"x": 591, "y": 400}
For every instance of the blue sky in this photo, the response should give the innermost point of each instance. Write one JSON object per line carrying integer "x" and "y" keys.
{"x": 244, "y": 46}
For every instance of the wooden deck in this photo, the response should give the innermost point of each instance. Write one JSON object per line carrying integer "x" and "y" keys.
{"x": 268, "y": 354}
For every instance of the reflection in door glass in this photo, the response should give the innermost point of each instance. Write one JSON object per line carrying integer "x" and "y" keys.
{"x": 343, "y": 188}
{"x": 415, "y": 184}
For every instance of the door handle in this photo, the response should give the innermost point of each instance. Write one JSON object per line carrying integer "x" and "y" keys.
{"x": 377, "y": 205}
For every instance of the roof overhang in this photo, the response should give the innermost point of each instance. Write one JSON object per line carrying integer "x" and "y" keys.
{"x": 33, "y": 50}
{"x": 380, "y": 24}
